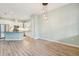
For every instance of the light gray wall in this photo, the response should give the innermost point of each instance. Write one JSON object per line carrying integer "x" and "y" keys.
{"x": 34, "y": 27}
{"x": 62, "y": 23}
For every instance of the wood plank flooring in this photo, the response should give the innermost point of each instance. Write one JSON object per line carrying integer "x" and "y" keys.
{"x": 32, "y": 47}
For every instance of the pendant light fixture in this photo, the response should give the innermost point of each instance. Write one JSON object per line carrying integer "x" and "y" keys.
{"x": 44, "y": 11}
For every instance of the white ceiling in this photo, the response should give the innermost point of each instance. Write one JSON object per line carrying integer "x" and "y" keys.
{"x": 25, "y": 10}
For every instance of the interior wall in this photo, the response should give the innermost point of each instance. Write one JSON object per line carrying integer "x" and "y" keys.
{"x": 34, "y": 27}
{"x": 62, "y": 23}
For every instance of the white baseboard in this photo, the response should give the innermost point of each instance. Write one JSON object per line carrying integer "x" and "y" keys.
{"x": 63, "y": 43}
{"x": 68, "y": 44}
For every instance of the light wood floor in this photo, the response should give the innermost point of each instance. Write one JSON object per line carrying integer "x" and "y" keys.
{"x": 32, "y": 47}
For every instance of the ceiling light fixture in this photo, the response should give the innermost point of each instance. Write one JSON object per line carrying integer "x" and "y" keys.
{"x": 44, "y": 4}
{"x": 44, "y": 11}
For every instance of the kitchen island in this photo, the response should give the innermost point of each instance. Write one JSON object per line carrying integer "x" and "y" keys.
{"x": 13, "y": 35}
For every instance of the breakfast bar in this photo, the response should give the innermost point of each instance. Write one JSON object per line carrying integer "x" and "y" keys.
{"x": 13, "y": 35}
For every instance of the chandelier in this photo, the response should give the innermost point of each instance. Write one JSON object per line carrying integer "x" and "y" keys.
{"x": 44, "y": 11}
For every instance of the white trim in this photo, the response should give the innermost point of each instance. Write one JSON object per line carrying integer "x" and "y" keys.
{"x": 68, "y": 44}
{"x": 58, "y": 42}
{"x": 63, "y": 43}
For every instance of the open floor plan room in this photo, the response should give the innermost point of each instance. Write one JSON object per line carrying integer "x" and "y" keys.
{"x": 39, "y": 29}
